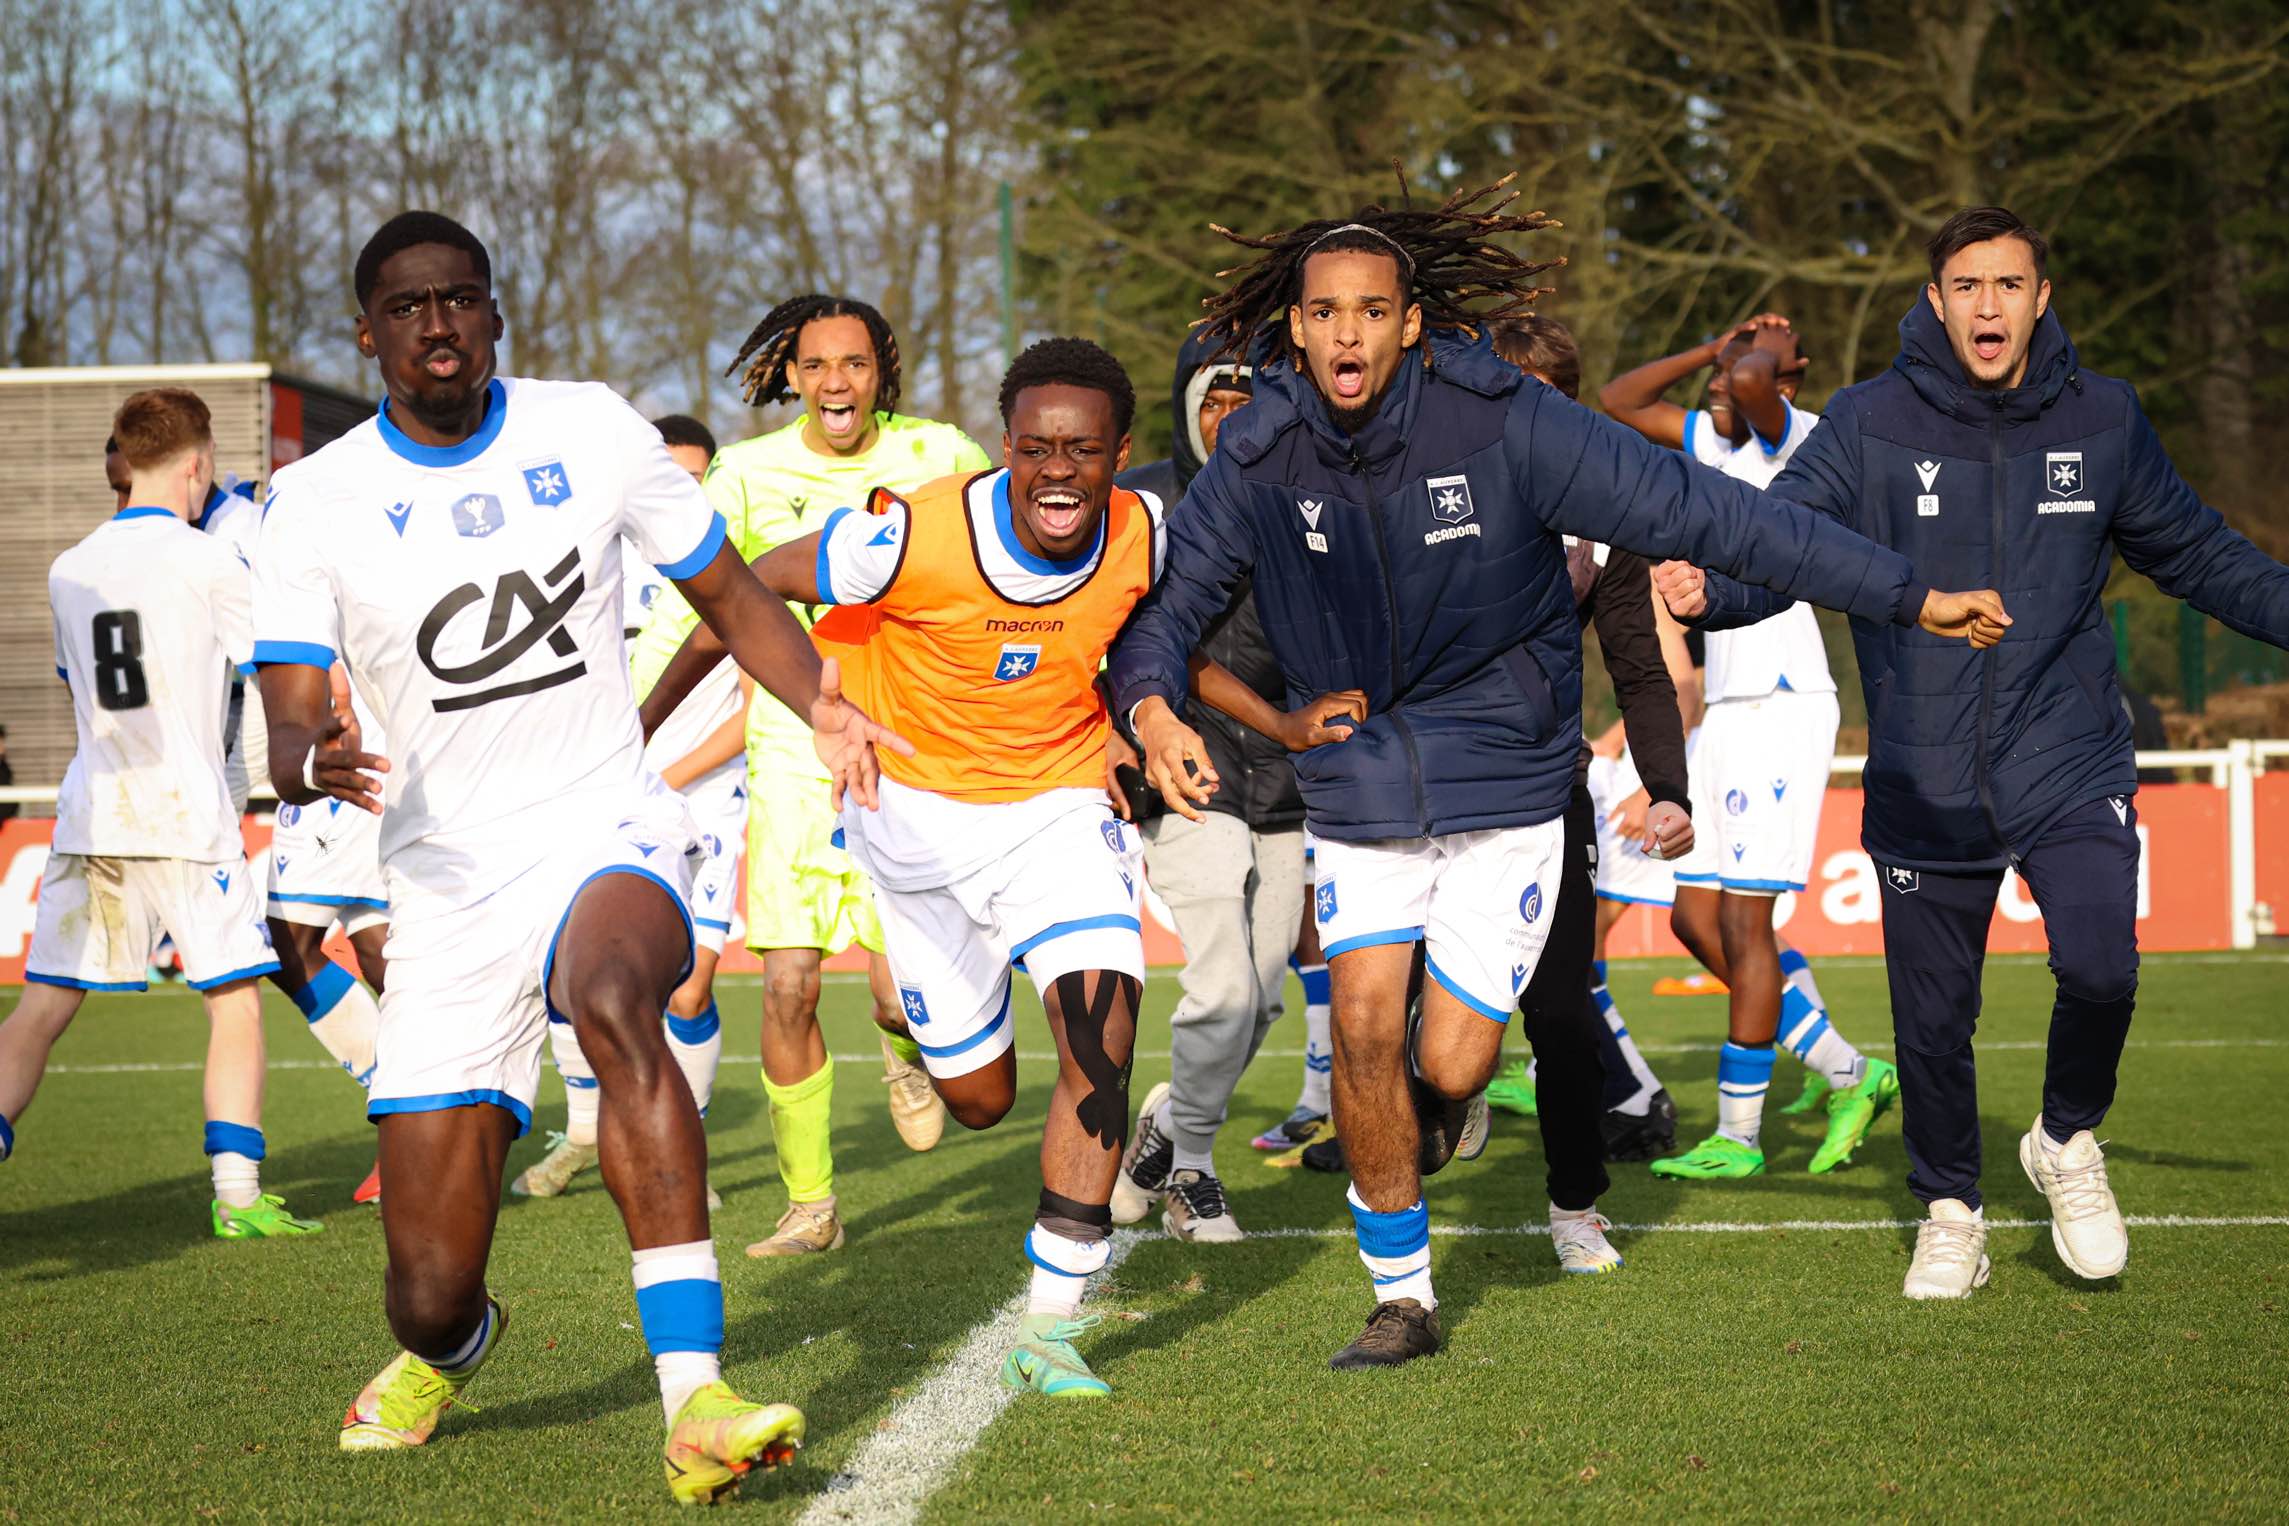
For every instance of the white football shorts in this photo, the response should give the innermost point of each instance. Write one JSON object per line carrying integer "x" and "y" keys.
{"x": 100, "y": 918}
{"x": 467, "y": 1006}
{"x": 1760, "y": 774}
{"x": 1626, "y": 872}
{"x": 1481, "y": 902}
{"x": 325, "y": 867}
{"x": 720, "y": 812}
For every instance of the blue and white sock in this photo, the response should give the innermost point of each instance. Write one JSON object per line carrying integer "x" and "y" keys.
{"x": 679, "y": 1300}
{"x": 1805, "y": 1030}
{"x": 1396, "y": 1248}
{"x": 234, "y": 1155}
{"x": 343, "y": 1016}
{"x": 697, "y": 1044}
{"x": 1744, "y": 1074}
{"x": 1318, "y": 1051}
{"x": 1640, "y": 1100}
{"x": 1061, "y": 1269}
{"x": 581, "y": 1097}
{"x": 7, "y": 1138}
{"x": 464, "y": 1359}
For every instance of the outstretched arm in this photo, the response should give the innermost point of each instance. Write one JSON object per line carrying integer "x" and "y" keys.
{"x": 788, "y": 571}
{"x": 2165, "y": 531}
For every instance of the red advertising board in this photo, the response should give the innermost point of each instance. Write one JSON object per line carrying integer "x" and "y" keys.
{"x": 2271, "y": 798}
{"x": 2182, "y": 885}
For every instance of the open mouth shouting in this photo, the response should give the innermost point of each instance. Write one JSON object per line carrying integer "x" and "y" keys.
{"x": 1990, "y": 342}
{"x": 839, "y": 421}
{"x": 1058, "y": 510}
{"x": 1350, "y": 378}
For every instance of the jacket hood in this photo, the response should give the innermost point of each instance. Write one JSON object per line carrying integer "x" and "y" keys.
{"x": 1196, "y": 367}
{"x": 1928, "y": 361}
{"x": 1286, "y": 397}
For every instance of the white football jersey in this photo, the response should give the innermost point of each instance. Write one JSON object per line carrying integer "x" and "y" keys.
{"x": 1784, "y": 652}
{"x": 474, "y": 591}
{"x": 151, "y": 617}
{"x": 232, "y": 517}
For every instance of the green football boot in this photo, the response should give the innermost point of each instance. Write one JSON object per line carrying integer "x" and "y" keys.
{"x": 1816, "y": 1090}
{"x": 1513, "y": 1090}
{"x": 1044, "y": 1359}
{"x": 1714, "y": 1159}
{"x": 264, "y": 1218}
{"x": 1853, "y": 1110}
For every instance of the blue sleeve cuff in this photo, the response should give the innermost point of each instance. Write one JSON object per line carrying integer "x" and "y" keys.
{"x": 246, "y": 670}
{"x": 303, "y": 653}
{"x": 824, "y": 572}
{"x": 66, "y": 677}
{"x": 691, "y": 565}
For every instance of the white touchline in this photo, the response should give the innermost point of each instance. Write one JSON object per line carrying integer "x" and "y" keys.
{"x": 1045, "y": 1057}
{"x": 910, "y": 1453}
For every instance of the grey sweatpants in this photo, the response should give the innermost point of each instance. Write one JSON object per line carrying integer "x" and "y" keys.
{"x": 1237, "y": 896}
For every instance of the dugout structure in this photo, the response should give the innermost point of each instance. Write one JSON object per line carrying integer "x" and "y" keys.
{"x": 53, "y": 422}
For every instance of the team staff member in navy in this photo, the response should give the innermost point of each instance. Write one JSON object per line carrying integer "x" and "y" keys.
{"x": 1399, "y": 493}
{"x": 1988, "y": 453}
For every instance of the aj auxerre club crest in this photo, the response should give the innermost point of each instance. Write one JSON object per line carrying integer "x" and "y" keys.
{"x": 910, "y": 1001}
{"x": 1016, "y": 661}
{"x": 1310, "y": 509}
{"x": 1905, "y": 881}
{"x": 546, "y": 483}
{"x": 1927, "y": 501}
{"x": 2062, "y": 471}
{"x": 1450, "y": 499}
{"x": 1324, "y": 905}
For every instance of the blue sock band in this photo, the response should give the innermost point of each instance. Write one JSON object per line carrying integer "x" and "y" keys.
{"x": 233, "y": 1139}
{"x": 1791, "y": 961}
{"x": 1392, "y": 1234}
{"x": 1801, "y": 1023}
{"x": 7, "y": 1138}
{"x": 684, "y": 1315}
{"x": 1314, "y": 985}
{"x": 1597, "y": 972}
{"x": 585, "y": 1083}
{"x": 696, "y": 1030}
{"x": 1743, "y": 1070}
{"x": 324, "y": 992}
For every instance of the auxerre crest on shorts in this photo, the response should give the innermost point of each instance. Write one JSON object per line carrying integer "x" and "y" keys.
{"x": 1324, "y": 906}
{"x": 1016, "y": 661}
{"x": 911, "y": 1003}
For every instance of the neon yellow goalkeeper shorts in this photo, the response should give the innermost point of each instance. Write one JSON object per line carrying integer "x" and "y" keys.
{"x": 802, "y": 890}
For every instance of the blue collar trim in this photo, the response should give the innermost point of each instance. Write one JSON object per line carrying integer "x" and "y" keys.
{"x": 496, "y": 414}
{"x": 1787, "y": 428}
{"x": 143, "y": 511}
{"x": 1007, "y": 529}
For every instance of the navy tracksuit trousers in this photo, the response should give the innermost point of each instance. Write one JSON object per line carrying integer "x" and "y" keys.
{"x": 2083, "y": 874}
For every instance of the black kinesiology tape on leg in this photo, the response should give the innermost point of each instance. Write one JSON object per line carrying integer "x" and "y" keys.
{"x": 1082, "y": 1223}
{"x": 1104, "y": 1112}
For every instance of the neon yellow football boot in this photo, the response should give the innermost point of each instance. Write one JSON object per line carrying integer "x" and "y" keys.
{"x": 401, "y": 1407}
{"x": 718, "y": 1436}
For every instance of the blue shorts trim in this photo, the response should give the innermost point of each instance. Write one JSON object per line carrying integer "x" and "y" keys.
{"x": 438, "y": 1102}
{"x": 710, "y": 922}
{"x": 696, "y": 560}
{"x": 548, "y": 960}
{"x": 1682, "y": 878}
{"x": 1118, "y": 920}
{"x": 330, "y": 900}
{"x": 1454, "y": 988}
{"x": 35, "y": 978}
{"x": 1761, "y": 887}
{"x": 947, "y": 1051}
{"x": 267, "y": 967}
{"x": 1370, "y": 940}
{"x": 1632, "y": 900}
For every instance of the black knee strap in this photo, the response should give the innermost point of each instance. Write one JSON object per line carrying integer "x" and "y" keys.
{"x": 1082, "y": 1223}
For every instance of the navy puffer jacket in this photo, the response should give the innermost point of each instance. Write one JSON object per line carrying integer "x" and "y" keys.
{"x": 1420, "y": 560}
{"x": 2029, "y": 491}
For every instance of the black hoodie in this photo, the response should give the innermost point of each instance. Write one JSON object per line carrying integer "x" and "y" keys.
{"x": 1259, "y": 781}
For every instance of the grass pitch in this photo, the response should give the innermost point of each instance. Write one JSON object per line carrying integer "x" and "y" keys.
{"x": 153, "y": 1372}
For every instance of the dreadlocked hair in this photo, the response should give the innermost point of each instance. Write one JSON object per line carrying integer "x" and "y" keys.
{"x": 1445, "y": 262}
{"x": 772, "y": 345}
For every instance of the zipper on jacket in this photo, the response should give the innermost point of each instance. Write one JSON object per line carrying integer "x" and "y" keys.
{"x": 1391, "y": 613}
{"x": 1998, "y": 494}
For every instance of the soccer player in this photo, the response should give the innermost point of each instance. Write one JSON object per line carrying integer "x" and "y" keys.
{"x": 116, "y": 475}
{"x": 1989, "y": 444}
{"x": 460, "y": 554}
{"x": 1399, "y": 493}
{"x": 150, "y": 615}
{"x": 976, "y": 614}
{"x": 1760, "y": 773}
{"x": 696, "y": 753}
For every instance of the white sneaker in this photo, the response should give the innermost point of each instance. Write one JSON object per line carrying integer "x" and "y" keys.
{"x": 553, "y": 1172}
{"x": 1196, "y": 1209}
{"x": 1142, "y": 1180}
{"x": 1579, "y": 1239}
{"x": 1477, "y": 1128}
{"x": 2086, "y": 1225}
{"x": 1950, "y": 1253}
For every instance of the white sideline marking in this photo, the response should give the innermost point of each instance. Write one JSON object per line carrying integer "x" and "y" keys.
{"x": 1044, "y": 1057}
{"x": 1776, "y": 1226}
{"x": 910, "y": 1453}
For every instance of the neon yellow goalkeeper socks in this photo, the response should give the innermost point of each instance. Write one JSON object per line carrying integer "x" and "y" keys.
{"x": 800, "y": 1125}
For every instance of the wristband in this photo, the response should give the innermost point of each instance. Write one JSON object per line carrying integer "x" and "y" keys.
{"x": 309, "y": 765}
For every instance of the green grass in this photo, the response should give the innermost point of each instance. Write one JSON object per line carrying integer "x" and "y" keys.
{"x": 151, "y": 1371}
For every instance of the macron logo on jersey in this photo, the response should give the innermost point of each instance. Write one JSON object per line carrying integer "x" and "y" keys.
{"x": 886, "y": 536}
{"x": 1016, "y": 662}
{"x": 398, "y": 513}
{"x": 546, "y": 482}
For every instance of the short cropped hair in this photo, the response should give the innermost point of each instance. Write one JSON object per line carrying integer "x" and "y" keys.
{"x": 1542, "y": 345}
{"x": 683, "y": 429}
{"x": 156, "y": 426}
{"x": 408, "y": 230}
{"x": 1976, "y": 225}
{"x": 1073, "y": 363}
